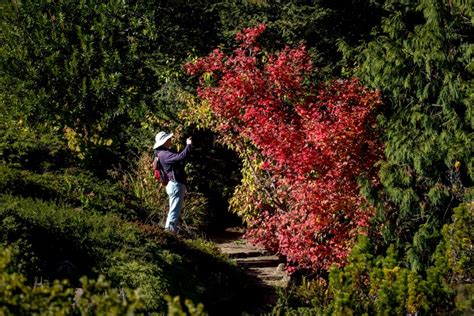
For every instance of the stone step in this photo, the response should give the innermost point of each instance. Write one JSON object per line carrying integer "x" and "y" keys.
{"x": 241, "y": 249}
{"x": 283, "y": 283}
{"x": 236, "y": 253}
{"x": 258, "y": 261}
{"x": 266, "y": 273}
{"x": 266, "y": 269}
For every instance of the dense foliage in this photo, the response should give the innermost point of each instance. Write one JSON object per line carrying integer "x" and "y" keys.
{"x": 20, "y": 298}
{"x": 382, "y": 284}
{"x": 96, "y": 297}
{"x": 56, "y": 242}
{"x": 421, "y": 59}
{"x": 84, "y": 86}
{"x": 97, "y": 71}
{"x": 313, "y": 142}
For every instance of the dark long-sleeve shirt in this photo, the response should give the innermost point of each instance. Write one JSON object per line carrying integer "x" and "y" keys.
{"x": 173, "y": 162}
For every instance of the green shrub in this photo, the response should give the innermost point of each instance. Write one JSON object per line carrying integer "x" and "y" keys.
{"x": 94, "y": 297}
{"x": 72, "y": 186}
{"x": 128, "y": 254}
{"x": 384, "y": 285}
{"x": 453, "y": 268}
{"x": 17, "y": 297}
{"x": 26, "y": 148}
{"x": 175, "y": 308}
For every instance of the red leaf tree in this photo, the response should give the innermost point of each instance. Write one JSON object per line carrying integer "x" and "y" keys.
{"x": 313, "y": 141}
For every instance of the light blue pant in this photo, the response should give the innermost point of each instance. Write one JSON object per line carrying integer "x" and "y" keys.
{"x": 175, "y": 191}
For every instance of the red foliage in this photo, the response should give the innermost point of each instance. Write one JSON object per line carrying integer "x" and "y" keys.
{"x": 315, "y": 141}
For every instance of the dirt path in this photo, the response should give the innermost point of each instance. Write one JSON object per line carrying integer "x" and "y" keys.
{"x": 266, "y": 270}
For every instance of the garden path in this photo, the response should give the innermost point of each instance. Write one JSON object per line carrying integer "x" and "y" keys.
{"x": 266, "y": 270}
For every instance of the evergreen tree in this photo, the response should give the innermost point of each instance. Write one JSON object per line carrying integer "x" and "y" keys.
{"x": 421, "y": 58}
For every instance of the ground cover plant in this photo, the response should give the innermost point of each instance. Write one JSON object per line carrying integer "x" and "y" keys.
{"x": 63, "y": 242}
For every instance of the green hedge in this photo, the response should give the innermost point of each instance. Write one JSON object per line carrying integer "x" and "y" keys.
{"x": 75, "y": 187}
{"x": 62, "y": 241}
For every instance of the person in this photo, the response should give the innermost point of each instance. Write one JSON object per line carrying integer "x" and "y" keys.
{"x": 173, "y": 165}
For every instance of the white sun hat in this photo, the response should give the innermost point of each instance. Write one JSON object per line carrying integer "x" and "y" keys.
{"x": 161, "y": 138}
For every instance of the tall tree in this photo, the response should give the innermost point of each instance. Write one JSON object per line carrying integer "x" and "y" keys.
{"x": 421, "y": 57}
{"x": 103, "y": 73}
{"x": 319, "y": 24}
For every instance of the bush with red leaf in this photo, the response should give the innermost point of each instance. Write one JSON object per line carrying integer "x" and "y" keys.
{"x": 314, "y": 142}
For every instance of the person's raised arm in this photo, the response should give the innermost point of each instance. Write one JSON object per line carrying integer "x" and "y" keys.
{"x": 172, "y": 157}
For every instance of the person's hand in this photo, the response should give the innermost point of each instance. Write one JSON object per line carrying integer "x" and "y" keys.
{"x": 189, "y": 141}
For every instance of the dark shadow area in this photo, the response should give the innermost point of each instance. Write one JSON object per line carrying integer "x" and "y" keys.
{"x": 214, "y": 171}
